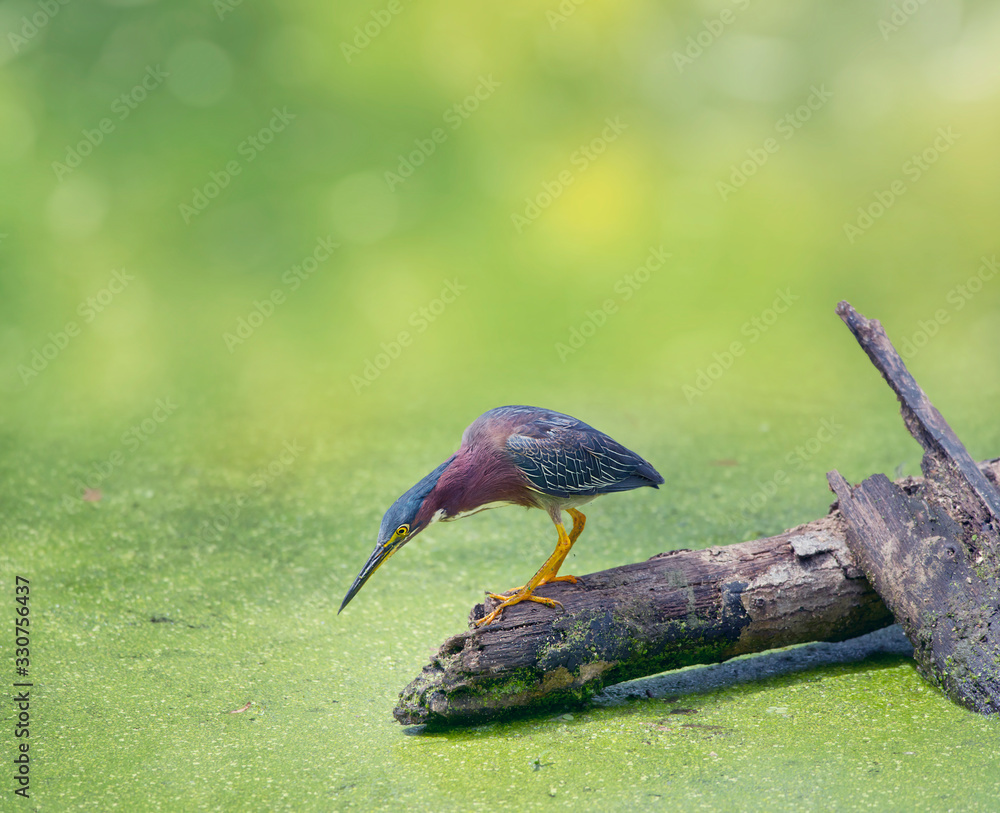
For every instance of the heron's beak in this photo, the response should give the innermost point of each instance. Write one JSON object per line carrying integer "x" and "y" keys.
{"x": 379, "y": 555}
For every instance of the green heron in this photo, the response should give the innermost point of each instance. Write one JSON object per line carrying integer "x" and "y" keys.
{"x": 515, "y": 455}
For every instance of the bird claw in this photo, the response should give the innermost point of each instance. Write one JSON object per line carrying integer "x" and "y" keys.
{"x": 508, "y": 601}
{"x": 566, "y": 578}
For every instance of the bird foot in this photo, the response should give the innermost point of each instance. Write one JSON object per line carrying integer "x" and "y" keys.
{"x": 506, "y": 601}
{"x": 566, "y": 578}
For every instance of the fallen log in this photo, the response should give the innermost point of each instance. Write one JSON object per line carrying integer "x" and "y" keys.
{"x": 690, "y": 607}
{"x": 678, "y": 608}
{"x": 934, "y": 558}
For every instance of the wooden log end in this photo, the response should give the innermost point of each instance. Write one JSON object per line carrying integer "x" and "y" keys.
{"x": 938, "y": 577}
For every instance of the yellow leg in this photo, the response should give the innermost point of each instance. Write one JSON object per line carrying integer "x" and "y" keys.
{"x": 579, "y": 521}
{"x": 546, "y": 573}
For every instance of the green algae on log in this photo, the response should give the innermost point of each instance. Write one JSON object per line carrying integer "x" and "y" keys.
{"x": 933, "y": 557}
{"x": 676, "y": 609}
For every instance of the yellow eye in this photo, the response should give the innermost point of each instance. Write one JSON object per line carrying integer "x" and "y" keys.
{"x": 402, "y": 530}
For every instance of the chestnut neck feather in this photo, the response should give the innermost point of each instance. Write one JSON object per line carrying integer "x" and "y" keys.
{"x": 476, "y": 476}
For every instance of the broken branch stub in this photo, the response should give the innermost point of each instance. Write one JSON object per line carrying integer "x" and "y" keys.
{"x": 933, "y": 557}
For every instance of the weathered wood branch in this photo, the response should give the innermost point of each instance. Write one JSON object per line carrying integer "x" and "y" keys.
{"x": 933, "y": 557}
{"x": 945, "y": 456}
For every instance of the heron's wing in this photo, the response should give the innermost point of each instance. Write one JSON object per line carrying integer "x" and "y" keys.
{"x": 564, "y": 457}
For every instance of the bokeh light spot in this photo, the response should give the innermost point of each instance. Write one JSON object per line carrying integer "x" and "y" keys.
{"x": 296, "y": 54}
{"x": 200, "y": 72}
{"x": 757, "y": 69}
{"x": 362, "y": 209}
{"x": 77, "y": 207}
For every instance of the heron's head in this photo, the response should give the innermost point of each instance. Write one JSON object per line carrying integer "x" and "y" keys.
{"x": 407, "y": 517}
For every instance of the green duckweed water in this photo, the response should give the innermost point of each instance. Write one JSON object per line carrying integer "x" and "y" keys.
{"x": 206, "y": 406}
{"x": 179, "y": 666}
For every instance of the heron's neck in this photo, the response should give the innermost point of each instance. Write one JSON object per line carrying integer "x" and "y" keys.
{"x": 476, "y": 480}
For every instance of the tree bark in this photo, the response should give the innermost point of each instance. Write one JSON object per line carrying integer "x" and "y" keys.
{"x": 933, "y": 557}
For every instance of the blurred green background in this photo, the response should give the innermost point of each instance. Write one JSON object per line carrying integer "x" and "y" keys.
{"x": 261, "y": 263}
